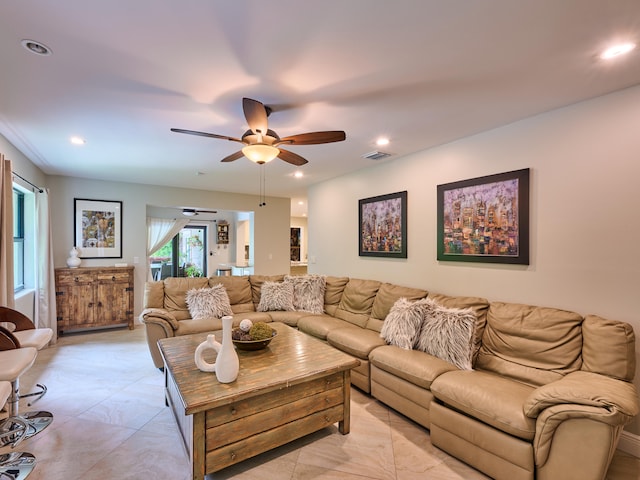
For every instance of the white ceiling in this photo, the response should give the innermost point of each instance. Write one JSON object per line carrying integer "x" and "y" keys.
{"x": 422, "y": 72}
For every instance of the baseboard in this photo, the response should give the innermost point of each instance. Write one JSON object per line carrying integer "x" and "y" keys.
{"x": 629, "y": 443}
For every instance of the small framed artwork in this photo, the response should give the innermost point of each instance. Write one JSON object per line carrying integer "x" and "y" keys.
{"x": 98, "y": 228}
{"x": 383, "y": 226}
{"x": 485, "y": 219}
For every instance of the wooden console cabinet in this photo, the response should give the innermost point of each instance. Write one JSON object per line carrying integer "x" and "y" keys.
{"x": 94, "y": 297}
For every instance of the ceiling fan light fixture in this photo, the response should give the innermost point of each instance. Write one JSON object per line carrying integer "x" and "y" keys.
{"x": 260, "y": 153}
{"x": 187, "y": 212}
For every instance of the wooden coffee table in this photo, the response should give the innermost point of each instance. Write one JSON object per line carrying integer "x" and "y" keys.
{"x": 295, "y": 386}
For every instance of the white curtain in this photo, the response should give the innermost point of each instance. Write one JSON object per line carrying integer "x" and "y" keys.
{"x": 45, "y": 304}
{"x": 6, "y": 234}
{"x": 159, "y": 232}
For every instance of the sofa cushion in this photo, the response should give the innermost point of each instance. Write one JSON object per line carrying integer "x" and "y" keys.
{"x": 175, "y": 294}
{"x": 288, "y": 317}
{"x": 319, "y": 326}
{"x": 334, "y": 287}
{"x": 608, "y": 348}
{"x": 402, "y": 325}
{"x": 355, "y": 340}
{"x": 357, "y": 301}
{"x": 536, "y": 345}
{"x": 276, "y": 296}
{"x": 256, "y": 282}
{"x": 387, "y": 296}
{"x": 413, "y": 366}
{"x": 308, "y": 292}
{"x": 238, "y": 289}
{"x": 208, "y": 302}
{"x": 447, "y": 333}
{"x": 153, "y": 295}
{"x": 492, "y": 399}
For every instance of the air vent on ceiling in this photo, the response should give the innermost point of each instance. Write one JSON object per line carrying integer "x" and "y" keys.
{"x": 377, "y": 155}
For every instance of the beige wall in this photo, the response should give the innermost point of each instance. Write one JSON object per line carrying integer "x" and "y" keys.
{"x": 585, "y": 212}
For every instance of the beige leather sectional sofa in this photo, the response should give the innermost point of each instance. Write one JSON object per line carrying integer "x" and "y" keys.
{"x": 548, "y": 396}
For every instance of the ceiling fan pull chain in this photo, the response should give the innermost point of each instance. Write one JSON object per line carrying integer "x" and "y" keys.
{"x": 263, "y": 183}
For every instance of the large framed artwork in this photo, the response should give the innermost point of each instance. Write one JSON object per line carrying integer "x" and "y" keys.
{"x": 383, "y": 226}
{"x": 485, "y": 219}
{"x": 98, "y": 228}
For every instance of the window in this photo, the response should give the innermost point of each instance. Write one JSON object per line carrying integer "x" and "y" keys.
{"x": 18, "y": 240}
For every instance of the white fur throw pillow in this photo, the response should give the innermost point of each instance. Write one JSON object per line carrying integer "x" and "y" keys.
{"x": 208, "y": 302}
{"x": 402, "y": 324}
{"x": 308, "y": 292}
{"x": 276, "y": 296}
{"x": 448, "y": 333}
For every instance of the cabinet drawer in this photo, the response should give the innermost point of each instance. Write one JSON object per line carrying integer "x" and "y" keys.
{"x": 113, "y": 276}
{"x": 74, "y": 278}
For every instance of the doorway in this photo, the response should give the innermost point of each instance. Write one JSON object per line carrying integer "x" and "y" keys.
{"x": 184, "y": 255}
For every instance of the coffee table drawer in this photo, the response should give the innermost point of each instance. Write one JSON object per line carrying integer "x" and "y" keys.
{"x": 271, "y": 418}
{"x": 253, "y": 405}
{"x": 265, "y": 441}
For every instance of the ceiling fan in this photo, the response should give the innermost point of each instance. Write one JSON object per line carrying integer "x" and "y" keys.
{"x": 261, "y": 144}
{"x": 192, "y": 212}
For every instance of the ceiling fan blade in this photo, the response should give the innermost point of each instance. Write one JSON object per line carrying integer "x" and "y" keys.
{"x": 292, "y": 158}
{"x": 256, "y": 115}
{"x": 314, "y": 138}
{"x": 204, "y": 134}
{"x": 233, "y": 156}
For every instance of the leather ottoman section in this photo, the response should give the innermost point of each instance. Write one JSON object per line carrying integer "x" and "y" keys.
{"x": 492, "y": 399}
{"x": 355, "y": 341}
{"x": 413, "y": 366}
{"x": 491, "y": 451}
{"x": 319, "y": 326}
{"x": 401, "y": 395}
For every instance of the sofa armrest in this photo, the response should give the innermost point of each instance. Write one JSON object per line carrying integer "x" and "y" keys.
{"x": 559, "y": 426}
{"x": 159, "y": 315}
{"x": 585, "y": 389}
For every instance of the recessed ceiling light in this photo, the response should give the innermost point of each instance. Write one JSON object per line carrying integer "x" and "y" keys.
{"x": 617, "y": 50}
{"x": 36, "y": 47}
{"x": 300, "y": 202}
{"x": 77, "y": 140}
{"x": 298, "y": 174}
{"x": 382, "y": 141}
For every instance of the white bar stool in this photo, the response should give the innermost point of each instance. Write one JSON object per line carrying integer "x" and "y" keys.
{"x": 13, "y": 363}
{"x": 14, "y": 465}
{"x": 22, "y": 333}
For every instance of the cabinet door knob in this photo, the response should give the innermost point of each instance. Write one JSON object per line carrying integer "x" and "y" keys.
{"x": 76, "y": 279}
{"x": 113, "y": 278}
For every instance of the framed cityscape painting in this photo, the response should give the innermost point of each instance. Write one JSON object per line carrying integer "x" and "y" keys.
{"x": 485, "y": 219}
{"x": 383, "y": 226}
{"x": 98, "y": 228}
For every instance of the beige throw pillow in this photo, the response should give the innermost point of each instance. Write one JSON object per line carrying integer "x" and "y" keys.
{"x": 208, "y": 302}
{"x": 276, "y": 296}
{"x": 448, "y": 333}
{"x": 308, "y": 292}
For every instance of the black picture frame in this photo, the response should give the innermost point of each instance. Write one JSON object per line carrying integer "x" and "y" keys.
{"x": 485, "y": 219}
{"x": 97, "y": 228}
{"x": 382, "y": 222}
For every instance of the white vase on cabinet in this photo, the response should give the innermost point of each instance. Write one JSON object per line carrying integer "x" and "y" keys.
{"x": 74, "y": 261}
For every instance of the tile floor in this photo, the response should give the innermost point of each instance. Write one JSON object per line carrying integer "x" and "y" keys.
{"x": 111, "y": 423}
